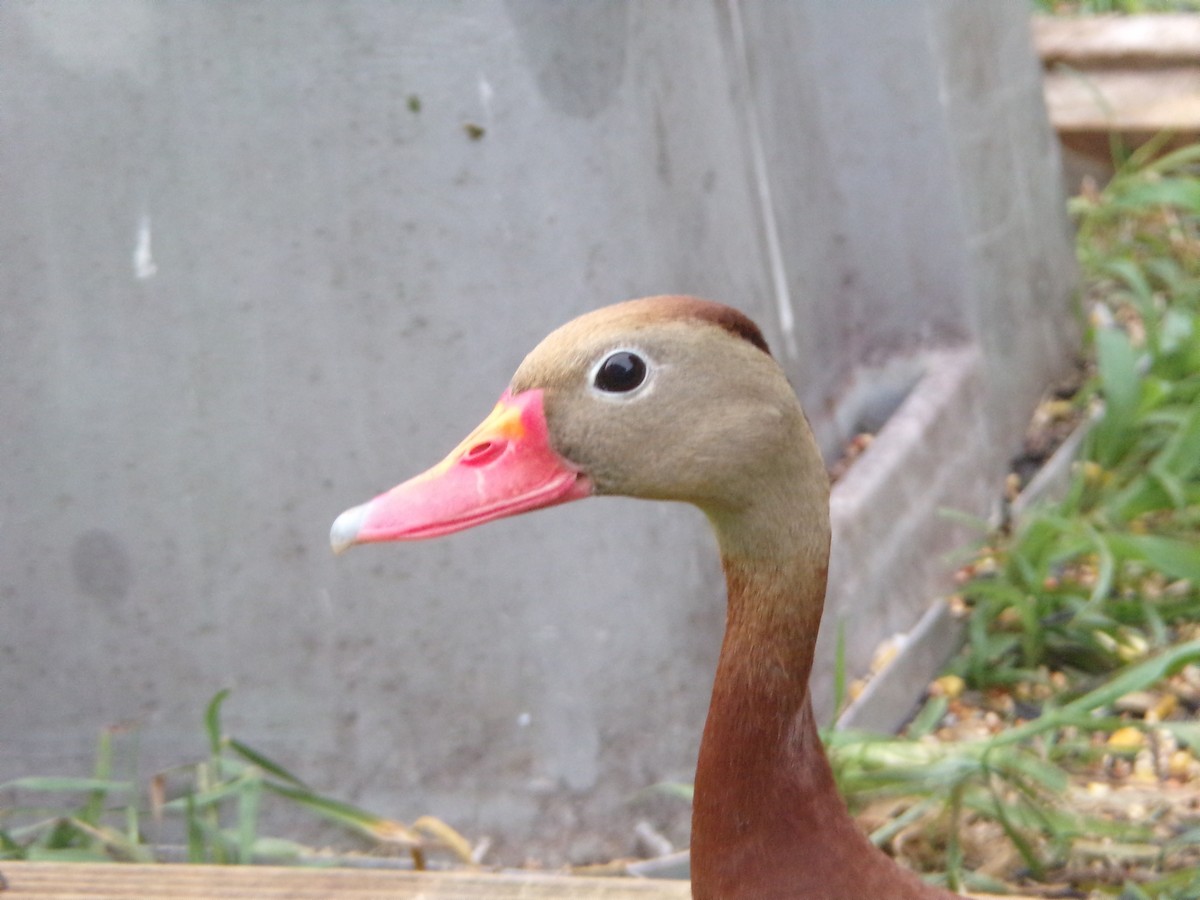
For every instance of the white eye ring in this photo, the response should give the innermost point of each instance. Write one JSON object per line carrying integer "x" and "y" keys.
{"x": 621, "y": 373}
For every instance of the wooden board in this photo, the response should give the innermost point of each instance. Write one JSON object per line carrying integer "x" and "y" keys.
{"x": 1129, "y": 76}
{"x": 1085, "y": 108}
{"x": 117, "y": 881}
{"x": 1126, "y": 42}
{"x": 121, "y": 881}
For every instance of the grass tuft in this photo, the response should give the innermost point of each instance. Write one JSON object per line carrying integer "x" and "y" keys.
{"x": 1066, "y": 750}
{"x": 218, "y": 803}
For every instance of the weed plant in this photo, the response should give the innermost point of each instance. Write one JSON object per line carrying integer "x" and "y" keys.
{"x": 1086, "y": 601}
{"x": 217, "y": 804}
{"x": 1112, "y": 570}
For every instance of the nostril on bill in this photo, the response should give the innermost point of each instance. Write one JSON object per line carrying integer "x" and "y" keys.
{"x": 482, "y": 452}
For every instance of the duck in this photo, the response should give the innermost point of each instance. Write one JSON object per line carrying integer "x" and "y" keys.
{"x": 678, "y": 398}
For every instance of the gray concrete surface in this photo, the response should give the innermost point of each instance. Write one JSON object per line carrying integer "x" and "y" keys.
{"x": 258, "y": 261}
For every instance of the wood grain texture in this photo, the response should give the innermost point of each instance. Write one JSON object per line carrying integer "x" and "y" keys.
{"x": 1130, "y": 76}
{"x": 1117, "y": 41}
{"x": 117, "y": 881}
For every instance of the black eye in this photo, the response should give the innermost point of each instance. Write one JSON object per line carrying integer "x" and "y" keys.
{"x": 621, "y": 372}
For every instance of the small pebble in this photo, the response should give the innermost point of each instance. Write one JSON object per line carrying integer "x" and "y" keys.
{"x": 1127, "y": 738}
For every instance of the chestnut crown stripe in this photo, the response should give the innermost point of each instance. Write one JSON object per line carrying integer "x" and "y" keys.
{"x": 731, "y": 320}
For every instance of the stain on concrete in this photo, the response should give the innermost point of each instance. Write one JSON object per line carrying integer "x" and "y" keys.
{"x": 101, "y": 566}
{"x": 576, "y": 51}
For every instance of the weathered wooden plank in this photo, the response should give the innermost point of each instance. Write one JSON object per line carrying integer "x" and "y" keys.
{"x": 1147, "y": 101}
{"x": 117, "y": 881}
{"x": 1133, "y": 77}
{"x": 1117, "y": 41}
{"x": 88, "y": 881}
{"x": 1087, "y": 107}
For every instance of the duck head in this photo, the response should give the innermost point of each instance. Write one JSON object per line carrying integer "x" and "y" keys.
{"x": 664, "y": 398}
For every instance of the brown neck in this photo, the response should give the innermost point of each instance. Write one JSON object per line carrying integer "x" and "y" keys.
{"x": 768, "y": 821}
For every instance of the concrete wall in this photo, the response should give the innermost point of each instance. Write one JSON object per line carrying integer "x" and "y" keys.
{"x": 260, "y": 260}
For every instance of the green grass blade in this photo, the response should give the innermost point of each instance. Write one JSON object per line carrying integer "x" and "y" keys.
{"x": 1030, "y": 856}
{"x": 1186, "y": 732}
{"x": 249, "y": 799}
{"x": 265, "y": 763}
{"x": 94, "y": 808}
{"x": 1106, "y": 571}
{"x": 346, "y": 814}
{"x": 1181, "y": 454}
{"x": 1137, "y": 677}
{"x": 212, "y": 721}
{"x": 1176, "y": 160}
{"x": 1119, "y": 381}
{"x": 1173, "y": 557}
{"x": 112, "y": 842}
{"x": 65, "y": 785}
{"x": 839, "y": 673}
{"x": 925, "y": 721}
{"x": 197, "y": 846}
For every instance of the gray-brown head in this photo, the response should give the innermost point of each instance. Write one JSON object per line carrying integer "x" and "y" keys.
{"x": 668, "y": 398}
